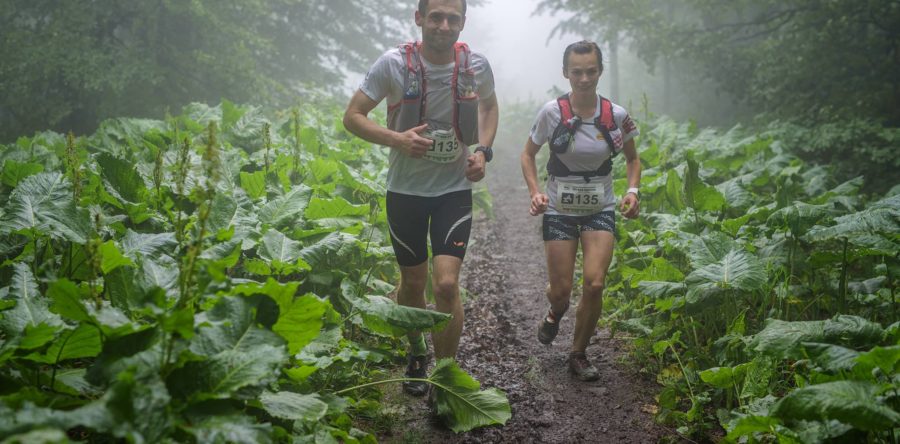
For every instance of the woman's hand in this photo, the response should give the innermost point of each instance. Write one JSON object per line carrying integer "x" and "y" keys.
{"x": 539, "y": 202}
{"x": 630, "y": 206}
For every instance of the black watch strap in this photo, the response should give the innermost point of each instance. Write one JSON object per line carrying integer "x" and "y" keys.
{"x": 488, "y": 152}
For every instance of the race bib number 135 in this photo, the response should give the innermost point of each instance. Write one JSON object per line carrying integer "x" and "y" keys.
{"x": 445, "y": 148}
{"x": 586, "y": 198}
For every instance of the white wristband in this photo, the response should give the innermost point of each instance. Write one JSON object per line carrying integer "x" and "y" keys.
{"x": 634, "y": 191}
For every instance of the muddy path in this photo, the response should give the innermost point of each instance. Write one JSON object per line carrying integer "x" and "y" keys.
{"x": 505, "y": 272}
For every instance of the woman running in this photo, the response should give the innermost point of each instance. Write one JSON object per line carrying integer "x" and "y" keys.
{"x": 584, "y": 132}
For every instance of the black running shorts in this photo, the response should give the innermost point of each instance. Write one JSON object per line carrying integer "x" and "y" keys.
{"x": 558, "y": 227}
{"x": 450, "y": 219}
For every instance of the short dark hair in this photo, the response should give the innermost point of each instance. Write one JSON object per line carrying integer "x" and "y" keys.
{"x": 423, "y": 7}
{"x": 583, "y": 47}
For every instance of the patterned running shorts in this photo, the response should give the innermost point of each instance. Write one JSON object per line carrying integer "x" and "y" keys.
{"x": 559, "y": 227}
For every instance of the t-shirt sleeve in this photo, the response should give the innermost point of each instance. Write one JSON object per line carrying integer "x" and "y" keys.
{"x": 377, "y": 83}
{"x": 542, "y": 128}
{"x": 624, "y": 121}
{"x": 484, "y": 76}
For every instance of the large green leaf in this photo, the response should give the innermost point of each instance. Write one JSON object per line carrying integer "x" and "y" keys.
{"x": 337, "y": 244}
{"x": 799, "y": 217}
{"x": 852, "y": 402}
{"x": 234, "y": 213}
{"x": 294, "y": 406}
{"x": 239, "y": 354}
{"x": 334, "y": 208}
{"x": 230, "y": 429}
{"x": 738, "y": 269}
{"x": 275, "y": 246}
{"x": 287, "y": 209}
{"x": 44, "y": 202}
{"x": 708, "y": 248}
{"x": 148, "y": 245}
{"x": 830, "y": 357}
{"x": 31, "y": 308}
{"x": 122, "y": 176}
{"x": 383, "y": 316}
{"x": 300, "y": 322}
{"x": 461, "y": 404}
{"x": 14, "y": 172}
{"x": 783, "y": 339}
{"x": 699, "y": 195}
{"x": 884, "y": 220}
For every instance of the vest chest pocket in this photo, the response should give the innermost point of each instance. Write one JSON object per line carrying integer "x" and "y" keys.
{"x": 580, "y": 198}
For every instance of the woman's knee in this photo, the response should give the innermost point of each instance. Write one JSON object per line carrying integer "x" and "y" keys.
{"x": 560, "y": 289}
{"x": 594, "y": 287}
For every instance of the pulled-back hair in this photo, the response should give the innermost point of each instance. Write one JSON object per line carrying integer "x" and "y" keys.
{"x": 423, "y": 7}
{"x": 582, "y": 47}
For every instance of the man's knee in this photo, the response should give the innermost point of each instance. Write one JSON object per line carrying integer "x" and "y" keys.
{"x": 446, "y": 287}
{"x": 414, "y": 280}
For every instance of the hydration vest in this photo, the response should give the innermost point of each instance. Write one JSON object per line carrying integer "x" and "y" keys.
{"x": 564, "y": 134}
{"x": 464, "y": 93}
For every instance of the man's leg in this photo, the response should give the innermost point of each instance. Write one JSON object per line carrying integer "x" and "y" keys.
{"x": 411, "y": 293}
{"x": 408, "y": 223}
{"x": 445, "y": 282}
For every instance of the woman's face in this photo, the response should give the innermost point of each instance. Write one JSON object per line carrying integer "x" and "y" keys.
{"x": 583, "y": 72}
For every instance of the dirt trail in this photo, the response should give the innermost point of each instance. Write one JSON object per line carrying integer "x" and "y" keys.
{"x": 505, "y": 269}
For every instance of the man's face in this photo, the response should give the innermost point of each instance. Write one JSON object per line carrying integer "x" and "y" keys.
{"x": 441, "y": 24}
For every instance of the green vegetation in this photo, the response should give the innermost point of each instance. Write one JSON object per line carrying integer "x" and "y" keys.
{"x": 219, "y": 276}
{"x": 762, "y": 290}
{"x": 70, "y": 65}
{"x": 811, "y": 60}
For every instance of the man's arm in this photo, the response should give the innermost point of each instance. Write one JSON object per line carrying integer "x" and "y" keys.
{"x": 357, "y": 121}
{"x": 488, "y": 117}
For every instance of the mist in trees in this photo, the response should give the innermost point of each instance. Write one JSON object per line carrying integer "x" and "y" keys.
{"x": 809, "y": 60}
{"x": 68, "y": 65}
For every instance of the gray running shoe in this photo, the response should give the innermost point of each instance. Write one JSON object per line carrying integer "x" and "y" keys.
{"x": 582, "y": 368}
{"x": 547, "y": 329}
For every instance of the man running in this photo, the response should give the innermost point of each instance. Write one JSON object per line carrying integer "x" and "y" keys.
{"x": 441, "y": 102}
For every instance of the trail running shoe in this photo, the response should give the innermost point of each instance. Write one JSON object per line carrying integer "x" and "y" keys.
{"x": 416, "y": 368}
{"x": 582, "y": 368}
{"x": 548, "y": 328}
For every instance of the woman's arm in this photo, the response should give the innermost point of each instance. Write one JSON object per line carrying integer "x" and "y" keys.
{"x": 539, "y": 200}
{"x": 630, "y": 205}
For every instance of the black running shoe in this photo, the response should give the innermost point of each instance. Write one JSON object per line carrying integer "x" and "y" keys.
{"x": 547, "y": 329}
{"x": 417, "y": 368}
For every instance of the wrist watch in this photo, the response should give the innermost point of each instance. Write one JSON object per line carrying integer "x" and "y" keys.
{"x": 635, "y": 191}
{"x": 488, "y": 152}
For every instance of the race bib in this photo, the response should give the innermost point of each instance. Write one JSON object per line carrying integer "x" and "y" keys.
{"x": 580, "y": 198}
{"x": 445, "y": 148}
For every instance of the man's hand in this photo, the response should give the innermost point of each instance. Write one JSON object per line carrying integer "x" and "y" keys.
{"x": 630, "y": 206}
{"x": 539, "y": 202}
{"x": 475, "y": 167}
{"x": 412, "y": 143}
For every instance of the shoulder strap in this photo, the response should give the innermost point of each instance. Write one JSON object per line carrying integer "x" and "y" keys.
{"x": 605, "y": 120}
{"x": 565, "y": 110}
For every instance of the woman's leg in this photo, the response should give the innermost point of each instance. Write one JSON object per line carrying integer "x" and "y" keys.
{"x": 597, "y": 247}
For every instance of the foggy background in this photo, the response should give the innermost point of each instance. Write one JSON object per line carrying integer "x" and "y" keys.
{"x": 527, "y": 65}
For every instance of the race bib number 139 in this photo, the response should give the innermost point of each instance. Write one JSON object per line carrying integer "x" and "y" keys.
{"x": 580, "y": 198}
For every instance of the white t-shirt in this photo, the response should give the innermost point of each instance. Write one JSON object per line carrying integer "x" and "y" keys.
{"x": 422, "y": 177}
{"x": 588, "y": 153}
